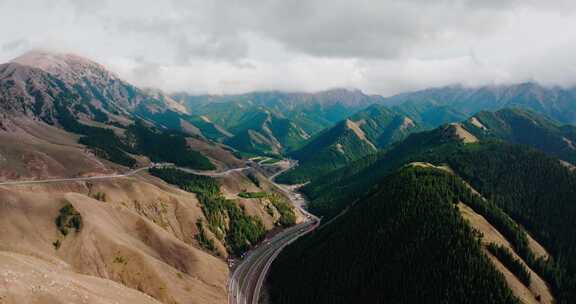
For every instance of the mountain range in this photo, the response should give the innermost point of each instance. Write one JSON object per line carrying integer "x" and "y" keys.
{"x": 510, "y": 195}
{"x": 527, "y": 128}
{"x": 456, "y": 101}
{"x": 445, "y": 195}
{"x": 269, "y": 123}
{"x": 275, "y": 123}
{"x": 83, "y": 220}
{"x": 359, "y": 135}
{"x": 516, "y": 126}
{"x": 377, "y": 127}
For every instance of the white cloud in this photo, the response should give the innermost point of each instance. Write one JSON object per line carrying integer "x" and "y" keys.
{"x": 221, "y": 46}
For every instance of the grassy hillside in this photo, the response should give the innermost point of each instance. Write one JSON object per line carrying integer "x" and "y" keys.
{"x": 543, "y": 201}
{"x": 429, "y": 113}
{"x": 139, "y": 138}
{"x": 312, "y": 112}
{"x": 163, "y": 146}
{"x": 115, "y": 119}
{"x": 262, "y": 132}
{"x": 329, "y": 150}
{"x": 176, "y": 121}
{"x": 330, "y": 194}
{"x": 535, "y": 190}
{"x": 528, "y": 128}
{"x": 384, "y": 126}
{"x": 405, "y": 242}
{"x": 279, "y": 122}
{"x": 359, "y": 135}
{"x": 226, "y": 220}
{"x": 553, "y": 101}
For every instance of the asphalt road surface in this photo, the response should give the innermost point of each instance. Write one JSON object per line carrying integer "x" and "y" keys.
{"x": 129, "y": 173}
{"x": 76, "y": 179}
{"x": 248, "y": 276}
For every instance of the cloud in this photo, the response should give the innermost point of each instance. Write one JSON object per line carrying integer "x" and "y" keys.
{"x": 381, "y": 46}
{"x": 360, "y": 28}
{"x": 322, "y": 28}
{"x": 363, "y": 28}
{"x": 17, "y": 44}
{"x": 87, "y": 7}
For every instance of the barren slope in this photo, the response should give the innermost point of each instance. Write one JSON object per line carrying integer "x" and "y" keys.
{"x": 142, "y": 237}
{"x": 491, "y": 235}
{"x": 35, "y": 150}
{"x": 527, "y": 294}
{"x": 25, "y": 279}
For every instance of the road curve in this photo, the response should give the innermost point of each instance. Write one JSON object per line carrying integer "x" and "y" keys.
{"x": 129, "y": 173}
{"x": 74, "y": 179}
{"x": 213, "y": 173}
{"x": 248, "y": 276}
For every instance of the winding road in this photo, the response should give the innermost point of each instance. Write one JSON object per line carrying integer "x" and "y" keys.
{"x": 74, "y": 179}
{"x": 127, "y": 174}
{"x": 248, "y": 276}
{"x": 213, "y": 173}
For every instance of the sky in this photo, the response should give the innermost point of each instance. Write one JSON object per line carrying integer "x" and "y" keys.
{"x": 233, "y": 46}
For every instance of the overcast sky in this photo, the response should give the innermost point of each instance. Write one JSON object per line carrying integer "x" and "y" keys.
{"x": 232, "y": 46}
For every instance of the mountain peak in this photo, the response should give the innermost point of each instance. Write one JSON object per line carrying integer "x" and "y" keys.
{"x": 343, "y": 90}
{"x": 65, "y": 65}
{"x": 457, "y": 131}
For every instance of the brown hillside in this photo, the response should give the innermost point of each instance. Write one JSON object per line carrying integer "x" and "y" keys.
{"x": 141, "y": 237}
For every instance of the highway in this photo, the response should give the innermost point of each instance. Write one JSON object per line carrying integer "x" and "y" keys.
{"x": 293, "y": 163}
{"x": 74, "y": 179}
{"x": 248, "y": 276}
{"x": 213, "y": 173}
{"x": 129, "y": 173}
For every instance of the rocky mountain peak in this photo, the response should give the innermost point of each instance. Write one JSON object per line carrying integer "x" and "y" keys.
{"x": 67, "y": 67}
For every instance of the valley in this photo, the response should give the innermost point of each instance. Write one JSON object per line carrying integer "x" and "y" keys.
{"x": 248, "y": 276}
{"x": 111, "y": 192}
{"x": 246, "y": 282}
{"x": 80, "y": 167}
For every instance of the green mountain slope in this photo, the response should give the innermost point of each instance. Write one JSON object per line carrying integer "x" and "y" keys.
{"x": 310, "y": 111}
{"x": 114, "y": 119}
{"x": 429, "y": 114}
{"x": 535, "y": 190}
{"x": 528, "y": 128}
{"x": 405, "y": 242}
{"x": 275, "y": 122}
{"x": 262, "y": 132}
{"x": 383, "y": 126}
{"x": 329, "y": 195}
{"x": 509, "y": 125}
{"x": 555, "y": 102}
{"x": 181, "y": 122}
{"x": 363, "y": 133}
{"x": 330, "y": 150}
